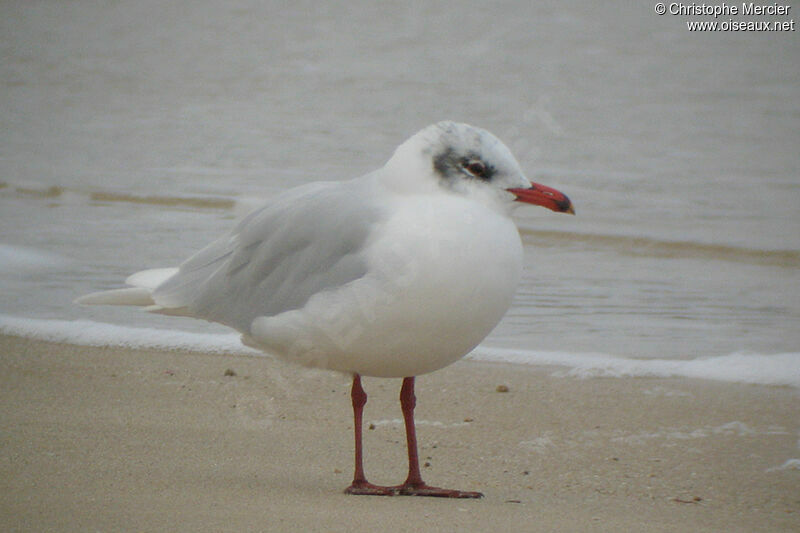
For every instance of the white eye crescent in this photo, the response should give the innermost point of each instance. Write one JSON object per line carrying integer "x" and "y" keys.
{"x": 476, "y": 168}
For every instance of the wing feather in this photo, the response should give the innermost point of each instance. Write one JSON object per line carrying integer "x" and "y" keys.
{"x": 303, "y": 242}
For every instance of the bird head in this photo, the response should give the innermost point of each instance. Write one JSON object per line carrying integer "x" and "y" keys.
{"x": 473, "y": 162}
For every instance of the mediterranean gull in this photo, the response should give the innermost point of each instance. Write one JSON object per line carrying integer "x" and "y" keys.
{"x": 394, "y": 274}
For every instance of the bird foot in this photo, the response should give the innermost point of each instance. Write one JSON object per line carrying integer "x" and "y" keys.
{"x": 435, "y": 492}
{"x": 407, "y": 489}
{"x": 363, "y": 488}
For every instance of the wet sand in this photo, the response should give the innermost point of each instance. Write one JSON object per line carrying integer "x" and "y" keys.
{"x": 102, "y": 439}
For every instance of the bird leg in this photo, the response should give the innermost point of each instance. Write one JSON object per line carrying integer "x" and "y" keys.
{"x": 413, "y": 485}
{"x": 360, "y": 484}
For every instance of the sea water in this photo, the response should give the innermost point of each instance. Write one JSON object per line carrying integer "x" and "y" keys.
{"x": 135, "y": 133}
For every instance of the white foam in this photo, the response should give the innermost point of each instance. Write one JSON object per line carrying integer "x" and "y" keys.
{"x": 774, "y": 369}
{"x": 89, "y": 333}
{"x": 790, "y": 464}
{"x": 22, "y": 260}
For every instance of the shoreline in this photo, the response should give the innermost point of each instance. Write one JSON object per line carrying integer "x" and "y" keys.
{"x": 124, "y": 439}
{"x": 771, "y": 369}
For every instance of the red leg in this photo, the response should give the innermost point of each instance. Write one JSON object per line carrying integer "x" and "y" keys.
{"x": 360, "y": 484}
{"x": 414, "y": 486}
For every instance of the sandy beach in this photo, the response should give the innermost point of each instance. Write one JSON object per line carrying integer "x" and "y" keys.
{"x": 101, "y": 439}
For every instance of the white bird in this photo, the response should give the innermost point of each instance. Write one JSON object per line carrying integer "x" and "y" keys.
{"x": 394, "y": 274}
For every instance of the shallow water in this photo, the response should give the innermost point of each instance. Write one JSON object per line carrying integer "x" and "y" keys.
{"x": 133, "y": 134}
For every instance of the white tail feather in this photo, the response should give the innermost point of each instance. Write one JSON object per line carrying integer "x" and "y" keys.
{"x": 150, "y": 279}
{"x": 140, "y": 294}
{"x": 130, "y": 296}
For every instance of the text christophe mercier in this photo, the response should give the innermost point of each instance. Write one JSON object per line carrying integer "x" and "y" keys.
{"x": 723, "y": 9}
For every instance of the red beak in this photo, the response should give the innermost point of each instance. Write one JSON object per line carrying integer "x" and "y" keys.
{"x": 545, "y": 197}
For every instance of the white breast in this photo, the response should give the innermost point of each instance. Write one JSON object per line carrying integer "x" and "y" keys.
{"x": 442, "y": 272}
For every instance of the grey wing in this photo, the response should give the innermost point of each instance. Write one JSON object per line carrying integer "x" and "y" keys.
{"x": 305, "y": 241}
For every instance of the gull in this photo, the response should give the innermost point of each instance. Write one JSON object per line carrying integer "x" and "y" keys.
{"x": 394, "y": 274}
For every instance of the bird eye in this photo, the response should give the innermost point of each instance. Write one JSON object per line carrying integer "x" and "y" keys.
{"x": 476, "y": 168}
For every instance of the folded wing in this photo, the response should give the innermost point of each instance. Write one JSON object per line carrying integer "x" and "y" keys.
{"x": 304, "y": 242}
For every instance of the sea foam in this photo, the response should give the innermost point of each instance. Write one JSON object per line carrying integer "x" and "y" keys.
{"x": 22, "y": 260}
{"x": 90, "y": 333}
{"x": 763, "y": 369}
